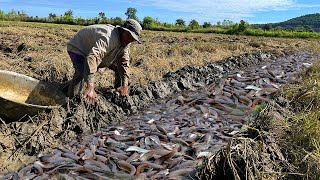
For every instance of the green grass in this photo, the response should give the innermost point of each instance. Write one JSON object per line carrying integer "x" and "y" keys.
{"x": 302, "y": 137}
{"x": 249, "y": 32}
{"x": 260, "y": 32}
{"x": 281, "y": 33}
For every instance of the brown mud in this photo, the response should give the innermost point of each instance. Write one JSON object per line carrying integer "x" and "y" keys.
{"x": 77, "y": 118}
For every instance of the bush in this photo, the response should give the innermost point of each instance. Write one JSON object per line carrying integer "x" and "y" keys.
{"x": 148, "y": 22}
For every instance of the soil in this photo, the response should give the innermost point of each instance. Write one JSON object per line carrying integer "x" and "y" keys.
{"x": 23, "y": 140}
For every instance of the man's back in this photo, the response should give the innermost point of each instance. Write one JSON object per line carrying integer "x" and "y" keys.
{"x": 87, "y": 37}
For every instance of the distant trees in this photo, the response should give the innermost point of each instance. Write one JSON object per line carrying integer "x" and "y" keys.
{"x": 116, "y": 21}
{"x": 206, "y": 25}
{"x": 14, "y": 15}
{"x": 22, "y": 15}
{"x": 80, "y": 20}
{"x": 267, "y": 27}
{"x": 68, "y": 13}
{"x": 180, "y": 22}
{"x": 2, "y": 14}
{"x": 243, "y": 26}
{"x": 306, "y": 23}
{"x": 193, "y": 24}
{"x": 240, "y": 28}
{"x": 309, "y": 19}
{"x": 225, "y": 23}
{"x": 52, "y": 16}
{"x": 225, "y": 26}
{"x": 131, "y": 13}
{"x": 68, "y": 16}
{"x": 308, "y": 28}
{"x": 270, "y": 27}
{"x": 304, "y": 28}
{"x": 102, "y": 17}
{"x": 148, "y": 22}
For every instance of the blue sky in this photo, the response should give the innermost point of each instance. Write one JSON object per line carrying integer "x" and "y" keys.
{"x": 252, "y": 11}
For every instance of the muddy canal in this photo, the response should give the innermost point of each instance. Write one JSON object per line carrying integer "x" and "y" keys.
{"x": 169, "y": 138}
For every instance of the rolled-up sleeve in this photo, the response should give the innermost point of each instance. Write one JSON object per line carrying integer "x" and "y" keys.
{"x": 123, "y": 64}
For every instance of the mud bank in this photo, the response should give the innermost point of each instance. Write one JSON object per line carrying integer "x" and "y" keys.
{"x": 188, "y": 78}
{"x": 80, "y": 117}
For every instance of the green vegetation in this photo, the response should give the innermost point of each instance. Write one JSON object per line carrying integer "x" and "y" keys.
{"x": 131, "y": 13}
{"x": 66, "y": 18}
{"x": 309, "y": 23}
{"x": 300, "y": 131}
{"x": 303, "y": 29}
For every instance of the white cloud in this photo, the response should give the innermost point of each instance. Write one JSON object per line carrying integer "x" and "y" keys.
{"x": 217, "y": 10}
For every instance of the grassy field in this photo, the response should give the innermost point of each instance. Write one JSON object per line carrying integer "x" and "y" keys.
{"x": 44, "y": 55}
{"x": 301, "y": 139}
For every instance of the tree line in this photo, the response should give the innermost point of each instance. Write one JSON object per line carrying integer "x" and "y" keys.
{"x": 69, "y": 18}
{"x": 305, "y": 23}
{"x": 180, "y": 25}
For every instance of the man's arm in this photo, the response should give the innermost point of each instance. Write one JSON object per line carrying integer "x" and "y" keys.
{"x": 94, "y": 58}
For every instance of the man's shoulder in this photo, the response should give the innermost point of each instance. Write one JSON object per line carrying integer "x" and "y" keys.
{"x": 103, "y": 26}
{"x": 106, "y": 30}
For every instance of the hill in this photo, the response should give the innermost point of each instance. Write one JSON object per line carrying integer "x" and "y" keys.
{"x": 309, "y": 22}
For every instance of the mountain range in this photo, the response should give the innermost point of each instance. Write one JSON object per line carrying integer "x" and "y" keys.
{"x": 309, "y": 22}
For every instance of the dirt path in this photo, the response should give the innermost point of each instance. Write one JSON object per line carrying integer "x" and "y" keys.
{"x": 168, "y": 139}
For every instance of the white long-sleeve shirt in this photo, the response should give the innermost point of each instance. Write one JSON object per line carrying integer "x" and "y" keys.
{"x": 100, "y": 45}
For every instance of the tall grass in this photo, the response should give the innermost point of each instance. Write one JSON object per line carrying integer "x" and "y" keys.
{"x": 281, "y": 33}
{"x": 302, "y": 143}
{"x": 259, "y": 32}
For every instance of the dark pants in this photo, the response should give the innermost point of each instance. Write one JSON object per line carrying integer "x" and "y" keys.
{"x": 81, "y": 71}
{"x": 80, "y": 65}
{"x": 117, "y": 79}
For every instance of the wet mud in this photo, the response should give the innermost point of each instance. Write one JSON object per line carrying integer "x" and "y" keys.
{"x": 194, "y": 112}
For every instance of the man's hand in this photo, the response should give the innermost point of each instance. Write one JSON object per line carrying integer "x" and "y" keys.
{"x": 123, "y": 90}
{"x": 90, "y": 93}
